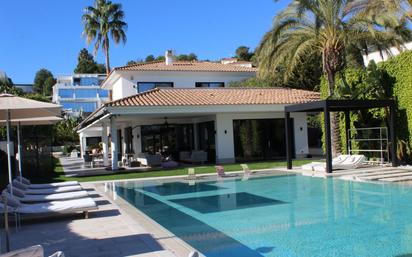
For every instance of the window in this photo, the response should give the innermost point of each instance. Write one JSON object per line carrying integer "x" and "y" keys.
{"x": 103, "y": 93}
{"x": 145, "y": 86}
{"x": 86, "y": 93}
{"x": 66, "y": 93}
{"x": 210, "y": 84}
{"x": 86, "y": 81}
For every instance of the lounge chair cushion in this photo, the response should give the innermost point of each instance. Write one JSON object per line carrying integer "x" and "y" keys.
{"x": 54, "y": 185}
{"x": 46, "y": 198}
{"x": 69, "y": 206}
{"x": 48, "y": 191}
{"x": 44, "y": 191}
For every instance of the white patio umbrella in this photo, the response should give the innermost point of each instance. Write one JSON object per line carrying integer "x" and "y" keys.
{"x": 28, "y": 122}
{"x": 14, "y": 109}
{"x": 19, "y": 108}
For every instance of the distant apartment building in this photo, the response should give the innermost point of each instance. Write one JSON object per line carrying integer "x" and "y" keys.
{"x": 27, "y": 88}
{"x": 80, "y": 94}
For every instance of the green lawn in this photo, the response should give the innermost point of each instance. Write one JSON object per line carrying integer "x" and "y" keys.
{"x": 59, "y": 174}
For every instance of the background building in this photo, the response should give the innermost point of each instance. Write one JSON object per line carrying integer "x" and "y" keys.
{"x": 80, "y": 94}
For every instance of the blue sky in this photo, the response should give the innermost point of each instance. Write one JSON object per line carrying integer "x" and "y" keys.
{"x": 47, "y": 33}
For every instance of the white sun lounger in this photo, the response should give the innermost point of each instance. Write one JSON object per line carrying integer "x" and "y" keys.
{"x": 27, "y": 198}
{"x": 45, "y": 191}
{"x": 51, "y": 208}
{"x": 335, "y": 161}
{"x": 353, "y": 162}
{"x": 33, "y": 251}
{"x": 50, "y": 185}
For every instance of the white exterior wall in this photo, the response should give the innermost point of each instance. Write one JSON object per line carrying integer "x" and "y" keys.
{"x": 225, "y": 145}
{"x": 123, "y": 88}
{"x": 377, "y": 57}
{"x": 125, "y": 85}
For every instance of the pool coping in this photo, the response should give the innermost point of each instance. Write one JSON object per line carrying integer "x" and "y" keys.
{"x": 164, "y": 237}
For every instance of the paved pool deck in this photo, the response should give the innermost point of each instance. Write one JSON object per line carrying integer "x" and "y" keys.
{"x": 109, "y": 231}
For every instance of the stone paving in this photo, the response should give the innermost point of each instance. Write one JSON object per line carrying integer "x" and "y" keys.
{"x": 109, "y": 231}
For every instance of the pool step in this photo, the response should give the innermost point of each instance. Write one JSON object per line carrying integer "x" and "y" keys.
{"x": 398, "y": 179}
{"x": 382, "y": 176}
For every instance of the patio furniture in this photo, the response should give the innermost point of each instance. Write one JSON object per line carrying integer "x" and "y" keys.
{"x": 52, "y": 208}
{"x": 191, "y": 174}
{"x": 33, "y": 251}
{"x": 352, "y": 162}
{"x": 193, "y": 157}
{"x": 74, "y": 154}
{"x": 87, "y": 158}
{"x": 45, "y": 191}
{"x": 335, "y": 161}
{"x": 246, "y": 171}
{"x": 47, "y": 185}
{"x": 151, "y": 160}
{"x": 27, "y": 198}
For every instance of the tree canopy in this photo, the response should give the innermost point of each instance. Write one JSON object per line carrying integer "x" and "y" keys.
{"x": 43, "y": 82}
{"x": 103, "y": 20}
{"x": 243, "y": 53}
{"x": 87, "y": 64}
{"x": 334, "y": 30}
{"x": 7, "y": 86}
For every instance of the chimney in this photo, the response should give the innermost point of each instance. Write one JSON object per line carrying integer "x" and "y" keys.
{"x": 169, "y": 57}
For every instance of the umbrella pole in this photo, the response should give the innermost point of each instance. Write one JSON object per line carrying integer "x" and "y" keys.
{"x": 19, "y": 150}
{"x": 9, "y": 151}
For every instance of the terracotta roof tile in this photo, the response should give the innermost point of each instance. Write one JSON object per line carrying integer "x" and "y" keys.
{"x": 220, "y": 96}
{"x": 194, "y": 66}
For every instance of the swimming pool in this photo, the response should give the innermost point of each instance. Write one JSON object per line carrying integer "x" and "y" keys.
{"x": 280, "y": 215}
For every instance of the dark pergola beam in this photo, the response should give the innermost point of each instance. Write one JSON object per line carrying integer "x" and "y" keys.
{"x": 288, "y": 132}
{"x": 328, "y": 140}
{"x": 392, "y": 134}
{"x": 347, "y": 127}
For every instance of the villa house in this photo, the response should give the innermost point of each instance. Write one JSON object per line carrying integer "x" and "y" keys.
{"x": 172, "y": 107}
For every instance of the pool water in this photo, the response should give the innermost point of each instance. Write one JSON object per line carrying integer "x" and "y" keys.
{"x": 280, "y": 215}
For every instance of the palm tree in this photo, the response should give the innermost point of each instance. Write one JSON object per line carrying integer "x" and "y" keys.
{"x": 402, "y": 8}
{"x": 332, "y": 29}
{"x": 99, "y": 21}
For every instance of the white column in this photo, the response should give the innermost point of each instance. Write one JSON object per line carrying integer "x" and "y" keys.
{"x": 124, "y": 139}
{"x": 82, "y": 140}
{"x": 114, "y": 146}
{"x": 137, "y": 140}
{"x": 105, "y": 143}
{"x": 225, "y": 149}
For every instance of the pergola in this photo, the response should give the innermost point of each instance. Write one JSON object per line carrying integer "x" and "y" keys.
{"x": 346, "y": 106}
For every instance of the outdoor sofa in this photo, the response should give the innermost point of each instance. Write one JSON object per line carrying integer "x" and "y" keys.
{"x": 193, "y": 157}
{"x": 151, "y": 160}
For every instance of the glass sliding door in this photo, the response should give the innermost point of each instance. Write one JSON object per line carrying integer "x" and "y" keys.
{"x": 260, "y": 139}
{"x": 167, "y": 140}
{"x": 206, "y": 134}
